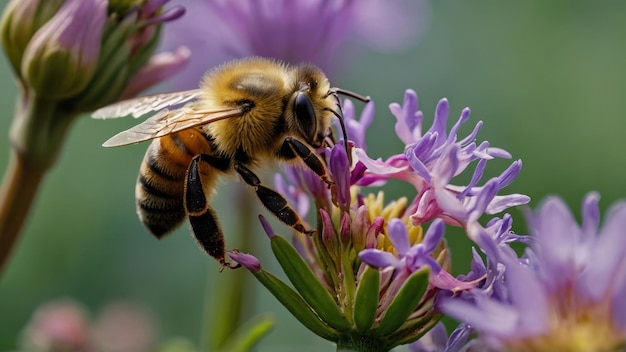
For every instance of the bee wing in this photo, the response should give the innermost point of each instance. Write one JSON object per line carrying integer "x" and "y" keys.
{"x": 143, "y": 105}
{"x": 170, "y": 121}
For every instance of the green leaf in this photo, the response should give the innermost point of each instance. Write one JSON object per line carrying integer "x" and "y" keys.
{"x": 291, "y": 300}
{"x": 177, "y": 345}
{"x": 307, "y": 284}
{"x": 249, "y": 334}
{"x": 366, "y": 299}
{"x": 405, "y": 302}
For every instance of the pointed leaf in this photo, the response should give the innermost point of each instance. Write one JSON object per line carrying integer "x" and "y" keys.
{"x": 307, "y": 284}
{"x": 249, "y": 334}
{"x": 291, "y": 300}
{"x": 366, "y": 299}
{"x": 405, "y": 302}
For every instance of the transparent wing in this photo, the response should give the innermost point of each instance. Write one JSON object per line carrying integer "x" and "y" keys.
{"x": 170, "y": 121}
{"x": 143, "y": 105}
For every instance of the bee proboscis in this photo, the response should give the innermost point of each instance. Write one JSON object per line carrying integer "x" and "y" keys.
{"x": 247, "y": 113}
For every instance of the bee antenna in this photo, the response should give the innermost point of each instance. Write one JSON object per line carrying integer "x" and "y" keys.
{"x": 335, "y": 91}
{"x": 339, "y": 115}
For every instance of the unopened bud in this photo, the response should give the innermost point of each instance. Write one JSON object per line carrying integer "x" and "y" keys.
{"x": 20, "y": 20}
{"x": 62, "y": 56}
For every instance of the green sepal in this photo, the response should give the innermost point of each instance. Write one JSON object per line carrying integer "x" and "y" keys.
{"x": 143, "y": 54}
{"x": 307, "y": 284}
{"x": 405, "y": 302}
{"x": 294, "y": 303}
{"x": 54, "y": 73}
{"x": 112, "y": 74}
{"x": 366, "y": 299}
{"x": 249, "y": 334}
{"x": 415, "y": 330}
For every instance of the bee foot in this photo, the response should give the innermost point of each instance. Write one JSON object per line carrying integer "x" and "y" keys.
{"x": 228, "y": 265}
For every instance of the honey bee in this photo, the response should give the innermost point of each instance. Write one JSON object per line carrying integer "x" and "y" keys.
{"x": 246, "y": 114}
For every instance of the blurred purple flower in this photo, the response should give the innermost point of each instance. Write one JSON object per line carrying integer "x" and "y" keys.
{"x": 437, "y": 340}
{"x": 565, "y": 293}
{"x": 124, "y": 327}
{"x": 64, "y": 326}
{"x": 61, "y": 326}
{"x": 294, "y": 31}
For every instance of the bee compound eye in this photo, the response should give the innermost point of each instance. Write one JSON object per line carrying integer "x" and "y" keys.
{"x": 305, "y": 116}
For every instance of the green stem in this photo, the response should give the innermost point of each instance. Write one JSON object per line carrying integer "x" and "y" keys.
{"x": 18, "y": 190}
{"x": 225, "y": 306}
{"x": 37, "y": 133}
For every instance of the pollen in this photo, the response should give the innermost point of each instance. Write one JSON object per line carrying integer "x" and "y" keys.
{"x": 375, "y": 204}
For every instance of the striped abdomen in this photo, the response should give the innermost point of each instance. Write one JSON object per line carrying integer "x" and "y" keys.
{"x": 161, "y": 182}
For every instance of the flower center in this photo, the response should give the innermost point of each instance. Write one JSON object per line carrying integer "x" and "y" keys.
{"x": 394, "y": 210}
{"x": 586, "y": 328}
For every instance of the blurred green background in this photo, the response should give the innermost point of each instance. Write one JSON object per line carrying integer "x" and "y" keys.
{"x": 548, "y": 78}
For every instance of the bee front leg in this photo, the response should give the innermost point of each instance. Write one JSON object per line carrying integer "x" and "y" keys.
{"x": 311, "y": 160}
{"x": 272, "y": 200}
{"x": 206, "y": 229}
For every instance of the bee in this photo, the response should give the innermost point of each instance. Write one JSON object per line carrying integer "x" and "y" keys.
{"x": 246, "y": 114}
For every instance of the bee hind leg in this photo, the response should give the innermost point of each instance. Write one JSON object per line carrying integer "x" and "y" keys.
{"x": 204, "y": 224}
{"x": 272, "y": 200}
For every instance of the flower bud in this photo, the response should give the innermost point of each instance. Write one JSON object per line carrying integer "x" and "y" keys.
{"x": 20, "y": 20}
{"x": 62, "y": 56}
{"x": 247, "y": 261}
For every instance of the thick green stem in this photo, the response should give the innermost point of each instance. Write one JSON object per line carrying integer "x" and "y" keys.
{"x": 20, "y": 185}
{"x": 37, "y": 135}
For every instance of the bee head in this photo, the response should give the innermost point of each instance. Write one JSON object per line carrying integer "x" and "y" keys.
{"x": 309, "y": 105}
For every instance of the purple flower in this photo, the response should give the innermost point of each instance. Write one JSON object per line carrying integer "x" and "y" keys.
{"x": 356, "y": 129}
{"x": 294, "y": 31}
{"x": 432, "y": 159}
{"x": 412, "y": 258}
{"x": 247, "y": 261}
{"x": 565, "y": 293}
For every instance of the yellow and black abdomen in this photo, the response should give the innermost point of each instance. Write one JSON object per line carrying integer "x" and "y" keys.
{"x": 161, "y": 182}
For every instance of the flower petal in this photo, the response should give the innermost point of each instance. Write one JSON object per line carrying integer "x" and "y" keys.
{"x": 379, "y": 259}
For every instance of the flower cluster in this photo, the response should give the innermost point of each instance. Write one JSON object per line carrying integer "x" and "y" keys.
{"x": 369, "y": 274}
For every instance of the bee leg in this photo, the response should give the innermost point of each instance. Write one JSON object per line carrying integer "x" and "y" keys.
{"x": 202, "y": 217}
{"x": 310, "y": 159}
{"x": 272, "y": 200}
